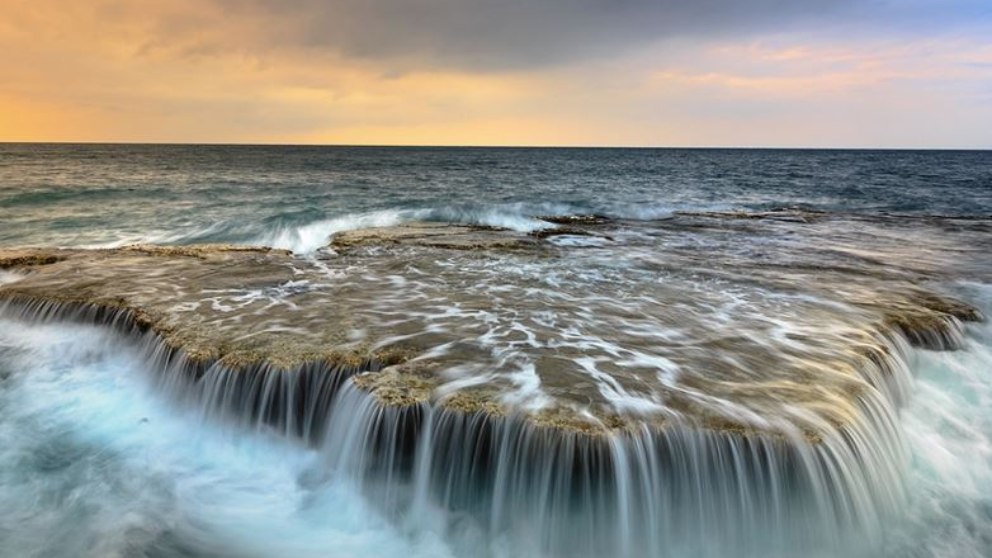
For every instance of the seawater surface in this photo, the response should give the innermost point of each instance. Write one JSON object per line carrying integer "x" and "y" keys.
{"x": 96, "y": 459}
{"x": 295, "y": 197}
{"x": 95, "y": 462}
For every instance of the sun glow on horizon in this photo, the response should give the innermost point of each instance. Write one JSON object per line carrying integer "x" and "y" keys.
{"x": 243, "y": 72}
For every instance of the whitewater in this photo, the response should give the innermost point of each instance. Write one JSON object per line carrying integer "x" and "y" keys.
{"x": 97, "y": 462}
{"x": 282, "y": 351}
{"x": 296, "y": 197}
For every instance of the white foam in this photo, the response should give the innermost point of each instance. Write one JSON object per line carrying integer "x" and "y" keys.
{"x": 514, "y": 216}
{"x": 948, "y": 426}
{"x": 7, "y": 277}
{"x": 527, "y": 394}
{"x": 309, "y": 238}
{"x": 612, "y": 391}
{"x": 578, "y": 241}
{"x": 94, "y": 464}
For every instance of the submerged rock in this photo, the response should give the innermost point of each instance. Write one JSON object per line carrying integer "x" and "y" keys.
{"x": 576, "y": 219}
{"x": 434, "y": 235}
{"x": 648, "y": 331}
{"x": 467, "y": 237}
{"x": 28, "y": 258}
{"x": 532, "y": 384}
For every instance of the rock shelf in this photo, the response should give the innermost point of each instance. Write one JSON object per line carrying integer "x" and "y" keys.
{"x": 644, "y": 332}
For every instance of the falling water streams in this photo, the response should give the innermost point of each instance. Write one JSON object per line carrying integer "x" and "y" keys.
{"x": 96, "y": 461}
{"x": 661, "y": 381}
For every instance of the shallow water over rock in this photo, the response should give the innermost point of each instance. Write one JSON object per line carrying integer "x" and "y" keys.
{"x": 764, "y": 321}
{"x": 619, "y": 393}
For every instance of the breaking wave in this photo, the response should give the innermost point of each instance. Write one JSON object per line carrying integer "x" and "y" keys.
{"x": 310, "y": 235}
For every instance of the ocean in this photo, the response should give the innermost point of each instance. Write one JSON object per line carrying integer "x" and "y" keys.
{"x": 295, "y": 197}
{"x": 402, "y": 351}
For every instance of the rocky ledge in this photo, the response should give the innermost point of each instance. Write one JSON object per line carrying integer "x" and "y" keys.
{"x": 479, "y": 320}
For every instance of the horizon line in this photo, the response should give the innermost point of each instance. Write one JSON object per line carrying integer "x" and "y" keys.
{"x": 490, "y": 146}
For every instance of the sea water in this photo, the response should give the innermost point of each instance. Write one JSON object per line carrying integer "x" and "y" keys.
{"x": 295, "y": 197}
{"x": 95, "y": 460}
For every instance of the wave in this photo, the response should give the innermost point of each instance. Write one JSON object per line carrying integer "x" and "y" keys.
{"x": 306, "y": 238}
{"x": 310, "y": 236}
{"x": 307, "y": 231}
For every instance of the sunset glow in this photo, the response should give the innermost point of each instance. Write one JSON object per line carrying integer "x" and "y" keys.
{"x": 436, "y": 72}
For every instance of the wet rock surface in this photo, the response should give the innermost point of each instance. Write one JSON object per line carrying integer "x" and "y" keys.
{"x": 434, "y": 235}
{"x": 779, "y": 322}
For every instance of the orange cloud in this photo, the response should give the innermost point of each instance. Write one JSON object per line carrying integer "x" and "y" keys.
{"x": 186, "y": 71}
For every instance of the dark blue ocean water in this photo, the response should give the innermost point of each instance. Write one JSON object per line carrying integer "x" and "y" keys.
{"x": 295, "y": 197}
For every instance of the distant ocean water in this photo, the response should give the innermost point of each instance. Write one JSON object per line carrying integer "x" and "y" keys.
{"x": 692, "y": 298}
{"x": 295, "y": 197}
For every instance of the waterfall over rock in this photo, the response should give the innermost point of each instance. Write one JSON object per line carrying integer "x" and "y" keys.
{"x": 631, "y": 396}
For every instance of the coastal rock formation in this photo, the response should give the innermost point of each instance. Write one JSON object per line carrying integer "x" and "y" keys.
{"x": 490, "y": 323}
{"x": 467, "y": 237}
{"x": 491, "y": 364}
{"x": 435, "y": 235}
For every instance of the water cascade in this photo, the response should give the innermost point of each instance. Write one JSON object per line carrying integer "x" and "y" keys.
{"x": 678, "y": 490}
{"x": 493, "y": 392}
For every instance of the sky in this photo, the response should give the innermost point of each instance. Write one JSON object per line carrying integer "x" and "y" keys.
{"x": 747, "y": 73}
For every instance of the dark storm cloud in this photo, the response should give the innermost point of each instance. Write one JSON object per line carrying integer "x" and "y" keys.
{"x": 513, "y": 33}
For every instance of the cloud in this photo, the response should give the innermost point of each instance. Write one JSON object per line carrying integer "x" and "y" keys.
{"x": 477, "y": 35}
{"x": 491, "y": 34}
{"x": 550, "y": 72}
